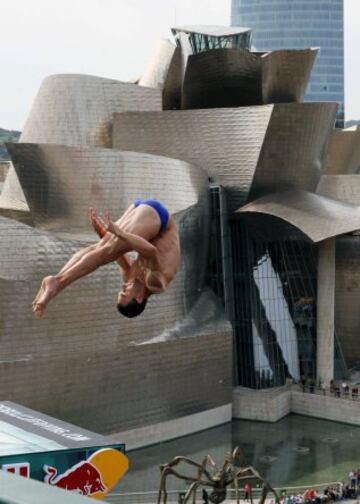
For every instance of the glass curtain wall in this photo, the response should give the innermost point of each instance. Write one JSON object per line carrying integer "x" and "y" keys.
{"x": 200, "y": 42}
{"x": 269, "y": 290}
{"x": 274, "y": 309}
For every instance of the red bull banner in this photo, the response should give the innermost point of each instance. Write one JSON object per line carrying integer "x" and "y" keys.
{"x": 94, "y": 477}
{"x": 44, "y": 448}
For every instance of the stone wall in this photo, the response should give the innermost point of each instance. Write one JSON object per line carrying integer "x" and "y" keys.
{"x": 271, "y": 405}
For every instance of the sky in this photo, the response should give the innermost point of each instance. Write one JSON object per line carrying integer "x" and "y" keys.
{"x": 115, "y": 39}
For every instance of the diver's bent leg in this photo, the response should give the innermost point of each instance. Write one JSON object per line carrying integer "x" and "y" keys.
{"x": 89, "y": 262}
{"x": 73, "y": 260}
{"x": 80, "y": 253}
{"x": 76, "y": 257}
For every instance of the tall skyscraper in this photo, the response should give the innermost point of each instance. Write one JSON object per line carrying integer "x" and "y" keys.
{"x": 295, "y": 24}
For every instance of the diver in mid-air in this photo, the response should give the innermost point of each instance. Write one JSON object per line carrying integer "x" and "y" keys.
{"x": 146, "y": 228}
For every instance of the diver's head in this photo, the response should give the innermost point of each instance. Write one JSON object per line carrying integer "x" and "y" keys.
{"x": 132, "y": 309}
{"x": 132, "y": 298}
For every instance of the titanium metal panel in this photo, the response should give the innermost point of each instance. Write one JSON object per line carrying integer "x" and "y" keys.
{"x": 82, "y": 362}
{"x": 347, "y": 297}
{"x": 12, "y": 199}
{"x": 222, "y": 78}
{"x": 61, "y": 183}
{"x": 318, "y": 217}
{"x": 293, "y": 153}
{"x": 235, "y": 77}
{"x": 77, "y": 363}
{"x": 344, "y": 153}
{"x": 341, "y": 187}
{"x": 157, "y": 69}
{"x": 164, "y": 72}
{"x": 226, "y": 143}
{"x": 76, "y": 110}
{"x": 285, "y": 74}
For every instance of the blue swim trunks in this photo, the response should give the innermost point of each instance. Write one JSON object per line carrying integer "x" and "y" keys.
{"x": 156, "y": 205}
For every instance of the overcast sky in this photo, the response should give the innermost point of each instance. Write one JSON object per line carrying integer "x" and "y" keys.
{"x": 112, "y": 38}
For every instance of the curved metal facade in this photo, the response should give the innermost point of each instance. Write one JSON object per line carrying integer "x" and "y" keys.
{"x": 317, "y": 216}
{"x": 341, "y": 187}
{"x": 76, "y": 110}
{"x": 285, "y": 74}
{"x": 293, "y": 153}
{"x": 85, "y": 364}
{"x": 222, "y": 140}
{"x": 297, "y": 24}
{"x": 217, "y": 140}
{"x": 98, "y": 142}
{"x": 344, "y": 153}
{"x": 222, "y": 78}
{"x": 164, "y": 72}
{"x": 61, "y": 183}
{"x": 234, "y": 77}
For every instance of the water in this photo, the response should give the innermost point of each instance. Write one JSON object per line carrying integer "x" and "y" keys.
{"x": 295, "y": 451}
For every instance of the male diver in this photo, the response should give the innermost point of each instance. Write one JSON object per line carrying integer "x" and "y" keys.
{"x": 146, "y": 228}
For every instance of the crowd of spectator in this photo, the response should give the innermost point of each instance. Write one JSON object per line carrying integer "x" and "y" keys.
{"x": 332, "y": 493}
{"x": 334, "y": 388}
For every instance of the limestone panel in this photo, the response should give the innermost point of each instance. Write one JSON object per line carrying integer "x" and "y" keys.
{"x": 347, "y": 297}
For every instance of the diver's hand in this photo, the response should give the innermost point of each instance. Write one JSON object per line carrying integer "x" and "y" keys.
{"x": 98, "y": 223}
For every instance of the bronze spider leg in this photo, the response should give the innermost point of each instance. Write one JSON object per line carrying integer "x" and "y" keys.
{"x": 192, "y": 489}
{"x": 194, "y": 486}
{"x": 251, "y": 473}
{"x": 236, "y": 485}
{"x": 266, "y": 488}
{"x": 167, "y": 469}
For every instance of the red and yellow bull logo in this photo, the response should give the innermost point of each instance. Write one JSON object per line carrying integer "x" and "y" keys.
{"x": 94, "y": 477}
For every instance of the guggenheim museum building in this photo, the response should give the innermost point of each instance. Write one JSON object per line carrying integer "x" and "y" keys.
{"x": 266, "y": 195}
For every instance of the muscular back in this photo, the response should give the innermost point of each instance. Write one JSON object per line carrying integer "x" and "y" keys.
{"x": 159, "y": 271}
{"x": 168, "y": 255}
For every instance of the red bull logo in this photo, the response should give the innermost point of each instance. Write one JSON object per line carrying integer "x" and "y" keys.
{"x": 94, "y": 477}
{"x": 22, "y": 469}
{"x": 83, "y": 478}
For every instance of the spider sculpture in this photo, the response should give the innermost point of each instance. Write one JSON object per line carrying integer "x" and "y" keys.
{"x": 208, "y": 475}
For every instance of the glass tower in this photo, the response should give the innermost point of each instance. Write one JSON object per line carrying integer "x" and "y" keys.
{"x": 296, "y": 24}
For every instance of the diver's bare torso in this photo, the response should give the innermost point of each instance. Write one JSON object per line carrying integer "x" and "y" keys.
{"x": 144, "y": 221}
{"x": 166, "y": 261}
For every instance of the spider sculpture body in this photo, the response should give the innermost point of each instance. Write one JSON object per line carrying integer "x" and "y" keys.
{"x": 208, "y": 475}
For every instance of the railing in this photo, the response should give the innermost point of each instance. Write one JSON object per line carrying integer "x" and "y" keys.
{"x": 175, "y": 496}
{"x": 349, "y": 393}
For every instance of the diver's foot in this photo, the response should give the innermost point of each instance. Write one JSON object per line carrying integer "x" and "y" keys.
{"x": 50, "y": 286}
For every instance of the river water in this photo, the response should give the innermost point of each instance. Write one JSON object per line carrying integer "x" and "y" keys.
{"x": 295, "y": 451}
